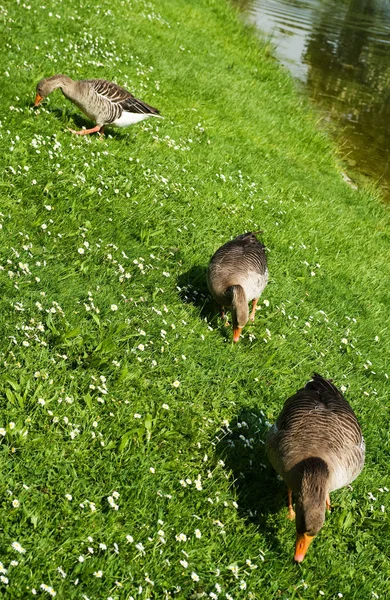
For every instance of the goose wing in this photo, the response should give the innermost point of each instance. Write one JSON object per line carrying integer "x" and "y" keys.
{"x": 120, "y": 97}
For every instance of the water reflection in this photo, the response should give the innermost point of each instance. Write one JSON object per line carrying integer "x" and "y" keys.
{"x": 340, "y": 49}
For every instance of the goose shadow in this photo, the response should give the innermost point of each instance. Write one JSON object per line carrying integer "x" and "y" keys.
{"x": 260, "y": 495}
{"x": 193, "y": 290}
{"x": 71, "y": 120}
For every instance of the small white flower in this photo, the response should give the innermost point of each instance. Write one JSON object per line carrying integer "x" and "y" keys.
{"x": 98, "y": 574}
{"x": 15, "y": 503}
{"x": 4, "y": 579}
{"x": 181, "y": 537}
{"x": 114, "y": 307}
{"x": 176, "y": 384}
{"x": 141, "y": 347}
{"x": 16, "y": 546}
{"x": 130, "y": 539}
{"x": 41, "y": 401}
{"x": 152, "y": 470}
{"x": 68, "y": 497}
{"x": 11, "y": 425}
{"x": 80, "y": 250}
{"x": 194, "y": 576}
{"x": 14, "y": 563}
{"x": 165, "y": 406}
{"x": 102, "y": 546}
{"x": 81, "y": 558}
{"x": 184, "y": 563}
{"x": 198, "y": 534}
{"x": 2, "y": 431}
{"x": 344, "y": 341}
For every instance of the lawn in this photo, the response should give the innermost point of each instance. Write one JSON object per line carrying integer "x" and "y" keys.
{"x": 131, "y": 427}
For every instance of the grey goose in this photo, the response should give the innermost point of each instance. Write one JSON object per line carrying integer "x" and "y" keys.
{"x": 102, "y": 101}
{"x": 316, "y": 446}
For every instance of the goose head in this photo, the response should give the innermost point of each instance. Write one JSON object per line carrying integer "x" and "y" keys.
{"x": 48, "y": 85}
{"x": 240, "y": 311}
{"x": 310, "y": 505}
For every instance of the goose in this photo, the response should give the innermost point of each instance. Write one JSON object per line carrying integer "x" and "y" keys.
{"x": 102, "y": 101}
{"x": 316, "y": 446}
{"x": 238, "y": 273}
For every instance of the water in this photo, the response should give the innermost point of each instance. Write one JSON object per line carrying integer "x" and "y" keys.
{"x": 340, "y": 51}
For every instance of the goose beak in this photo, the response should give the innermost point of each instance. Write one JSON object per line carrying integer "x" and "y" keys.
{"x": 302, "y": 544}
{"x": 236, "y": 333}
{"x": 38, "y": 100}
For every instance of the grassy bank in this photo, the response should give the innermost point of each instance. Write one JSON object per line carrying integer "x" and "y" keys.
{"x": 133, "y": 462}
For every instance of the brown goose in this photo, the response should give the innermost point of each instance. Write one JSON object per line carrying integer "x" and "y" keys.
{"x": 102, "y": 101}
{"x": 317, "y": 446}
{"x": 238, "y": 273}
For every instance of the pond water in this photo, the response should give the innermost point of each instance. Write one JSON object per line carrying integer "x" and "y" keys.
{"x": 340, "y": 51}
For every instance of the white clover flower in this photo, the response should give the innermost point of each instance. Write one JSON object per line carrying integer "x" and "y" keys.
{"x": 61, "y": 572}
{"x": 140, "y": 547}
{"x": 16, "y": 546}
{"x": 114, "y": 307}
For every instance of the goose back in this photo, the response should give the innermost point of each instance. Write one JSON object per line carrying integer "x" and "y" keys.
{"x": 242, "y": 261}
{"x": 317, "y": 422}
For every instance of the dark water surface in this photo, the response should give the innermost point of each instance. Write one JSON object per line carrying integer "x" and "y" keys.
{"x": 340, "y": 51}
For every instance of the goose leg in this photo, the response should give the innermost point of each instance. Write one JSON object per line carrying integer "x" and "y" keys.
{"x": 86, "y": 131}
{"x": 253, "y": 311}
{"x": 291, "y": 511}
{"x": 328, "y": 505}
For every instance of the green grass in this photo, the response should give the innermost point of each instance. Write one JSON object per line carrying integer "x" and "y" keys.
{"x": 91, "y": 390}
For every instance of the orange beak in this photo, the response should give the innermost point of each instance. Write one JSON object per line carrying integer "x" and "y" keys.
{"x": 38, "y": 100}
{"x": 302, "y": 544}
{"x": 236, "y": 333}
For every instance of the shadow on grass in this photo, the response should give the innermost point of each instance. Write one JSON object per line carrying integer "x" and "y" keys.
{"x": 194, "y": 290}
{"x": 260, "y": 495}
{"x": 73, "y": 120}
